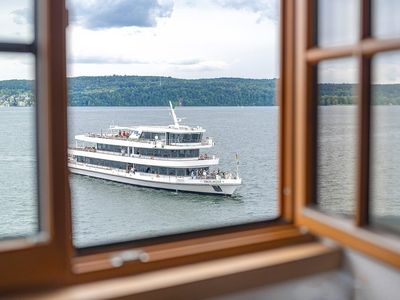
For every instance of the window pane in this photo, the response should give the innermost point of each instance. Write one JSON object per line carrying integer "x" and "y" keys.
{"x": 18, "y": 188}
{"x": 16, "y": 21}
{"x": 385, "y": 139}
{"x": 386, "y": 22}
{"x": 337, "y": 139}
{"x": 217, "y": 62}
{"x": 338, "y": 22}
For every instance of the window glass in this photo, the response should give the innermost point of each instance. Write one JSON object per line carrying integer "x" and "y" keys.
{"x": 338, "y": 22}
{"x": 385, "y": 18}
{"x": 337, "y": 135}
{"x": 385, "y": 141}
{"x": 18, "y": 176}
{"x": 217, "y": 62}
{"x": 16, "y": 21}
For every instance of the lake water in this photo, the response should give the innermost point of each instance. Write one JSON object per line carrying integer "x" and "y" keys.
{"x": 105, "y": 212}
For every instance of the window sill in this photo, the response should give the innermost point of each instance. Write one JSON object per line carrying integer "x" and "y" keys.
{"x": 211, "y": 278}
{"x": 177, "y": 253}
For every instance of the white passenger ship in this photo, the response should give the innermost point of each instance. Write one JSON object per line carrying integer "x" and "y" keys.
{"x": 164, "y": 157}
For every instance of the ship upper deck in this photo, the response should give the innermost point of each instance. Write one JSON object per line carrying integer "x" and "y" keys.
{"x": 127, "y": 141}
{"x": 176, "y": 136}
{"x": 161, "y": 129}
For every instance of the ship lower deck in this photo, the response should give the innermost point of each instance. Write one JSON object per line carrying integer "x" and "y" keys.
{"x": 176, "y": 183}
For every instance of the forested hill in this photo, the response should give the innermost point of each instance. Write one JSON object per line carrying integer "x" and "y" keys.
{"x": 156, "y": 91}
{"x": 342, "y": 94}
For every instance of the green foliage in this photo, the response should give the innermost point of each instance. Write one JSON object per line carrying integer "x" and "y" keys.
{"x": 346, "y": 94}
{"x": 157, "y": 91}
{"x": 337, "y": 94}
{"x": 15, "y": 92}
{"x": 387, "y": 94}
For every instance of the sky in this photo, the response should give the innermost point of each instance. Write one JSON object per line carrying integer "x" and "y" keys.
{"x": 181, "y": 38}
{"x": 192, "y": 38}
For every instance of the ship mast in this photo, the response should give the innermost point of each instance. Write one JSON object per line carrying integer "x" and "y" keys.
{"x": 176, "y": 122}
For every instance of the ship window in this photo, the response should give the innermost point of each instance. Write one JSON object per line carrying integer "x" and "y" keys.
{"x": 184, "y": 138}
{"x": 166, "y": 152}
{"x": 112, "y": 148}
{"x": 152, "y": 136}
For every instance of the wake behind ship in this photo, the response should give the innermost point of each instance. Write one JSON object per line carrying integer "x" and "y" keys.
{"x": 163, "y": 157}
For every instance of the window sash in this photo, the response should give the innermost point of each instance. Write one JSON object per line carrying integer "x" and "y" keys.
{"x": 356, "y": 233}
{"x": 34, "y": 262}
{"x": 285, "y": 161}
{"x": 56, "y": 259}
{"x": 94, "y": 263}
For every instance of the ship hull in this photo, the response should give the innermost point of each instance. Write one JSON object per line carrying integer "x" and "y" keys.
{"x": 212, "y": 186}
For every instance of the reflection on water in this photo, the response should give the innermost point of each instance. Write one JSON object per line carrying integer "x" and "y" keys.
{"x": 337, "y": 159}
{"x": 337, "y": 132}
{"x": 385, "y": 136}
{"x": 338, "y": 22}
{"x": 385, "y": 166}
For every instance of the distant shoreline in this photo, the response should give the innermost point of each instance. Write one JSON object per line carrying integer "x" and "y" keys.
{"x": 153, "y": 91}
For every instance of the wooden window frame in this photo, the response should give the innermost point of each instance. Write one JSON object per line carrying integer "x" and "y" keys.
{"x": 53, "y": 261}
{"x": 356, "y": 234}
{"x": 169, "y": 251}
{"x": 41, "y": 259}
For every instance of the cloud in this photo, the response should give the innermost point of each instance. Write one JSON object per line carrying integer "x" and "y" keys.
{"x": 342, "y": 70}
{"x": 267, "y": 9}
{"x": 22, "y": 16}
{"x": 386, "y": 68}
{"x": 101, "y": 14}
{"x": 205, "y": 65}
{"x": 192, "y": 64}
{"x": 104, "y": 60}
{"x": 186, "y": 62}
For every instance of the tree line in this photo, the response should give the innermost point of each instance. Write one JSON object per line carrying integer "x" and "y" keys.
{"x": 157, "y": 91}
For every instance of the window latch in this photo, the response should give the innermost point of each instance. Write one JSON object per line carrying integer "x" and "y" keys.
{"x": 118, "y": 259}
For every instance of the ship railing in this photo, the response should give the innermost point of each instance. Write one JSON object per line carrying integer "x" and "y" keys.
{"x": 93, "y": 149}
{"x": 201, "y": 157}
{"x": 204, "y": 142}
{"x": 91, "y": 166}
{"x": 117, "y": 137}
{"x": 216, "y": 176}
{"x": 186, "y": 179}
